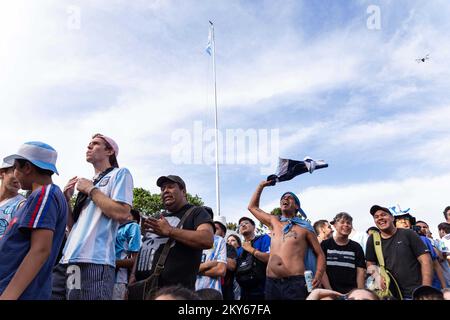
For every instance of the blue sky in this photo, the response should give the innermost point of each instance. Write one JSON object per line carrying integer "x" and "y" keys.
{"x": 335, "y": 89}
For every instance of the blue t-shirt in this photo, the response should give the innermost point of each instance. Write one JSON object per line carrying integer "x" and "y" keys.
{"x": 239, "y": 251}
{"x": 436, "y": 283}
{"x": 262, "y": 243}
{"x": 45, "y": 208}
{"x": 128, "y": 241}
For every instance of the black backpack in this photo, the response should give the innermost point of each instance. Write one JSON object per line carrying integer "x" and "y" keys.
{"x": 250, "y": 271}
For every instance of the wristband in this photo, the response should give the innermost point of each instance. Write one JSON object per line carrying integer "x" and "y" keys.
{"x": 90, "y": 191}
{"x": 254, "y": 250}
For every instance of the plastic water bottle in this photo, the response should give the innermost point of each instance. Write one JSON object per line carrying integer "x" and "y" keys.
{"x": 309, "y": 280}
{"x": 370, "y": 283}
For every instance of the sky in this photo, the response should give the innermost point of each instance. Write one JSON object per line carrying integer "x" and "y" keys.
{"x": 333, "y": 80}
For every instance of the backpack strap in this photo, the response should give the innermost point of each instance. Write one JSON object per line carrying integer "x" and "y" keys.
{"x": 385, "y": 273}
{"x": 162, "y": 258}
{"x": 378, "y": 249}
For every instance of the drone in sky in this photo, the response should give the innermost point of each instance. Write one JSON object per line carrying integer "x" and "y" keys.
{"x": 420, "y": 60}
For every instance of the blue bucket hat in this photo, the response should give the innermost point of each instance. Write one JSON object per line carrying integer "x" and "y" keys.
{"x": 297, "y": 202}
{"x": 398, "y": 213}
{"x": 38, "y": 153}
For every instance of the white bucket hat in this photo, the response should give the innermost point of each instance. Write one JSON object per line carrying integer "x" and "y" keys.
{"x": 38, "y": 153}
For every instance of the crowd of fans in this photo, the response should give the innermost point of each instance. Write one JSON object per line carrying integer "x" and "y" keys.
{"x": 100, "y": 248}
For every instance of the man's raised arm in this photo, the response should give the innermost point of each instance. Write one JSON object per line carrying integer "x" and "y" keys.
{"x": 253, "y": 206}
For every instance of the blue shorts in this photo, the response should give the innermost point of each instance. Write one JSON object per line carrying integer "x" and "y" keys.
{"x": 289, "y": 288}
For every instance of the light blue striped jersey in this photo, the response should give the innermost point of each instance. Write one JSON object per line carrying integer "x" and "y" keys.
{"x": 217, "y": 253}
{"x": 128, "y": 241}
{"x": 8, "y": 209}
{"x": 93, "y": 237}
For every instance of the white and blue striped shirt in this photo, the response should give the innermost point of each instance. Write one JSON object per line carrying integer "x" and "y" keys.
{"x": 92, "y": 239}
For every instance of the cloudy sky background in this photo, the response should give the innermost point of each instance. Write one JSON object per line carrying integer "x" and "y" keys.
{"x": 334, "y": 88}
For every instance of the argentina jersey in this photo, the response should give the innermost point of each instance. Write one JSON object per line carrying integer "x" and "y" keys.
{"x": 92, "y": 238}
{"x": 217, "y": 253}
{"x": 8, "y": 210}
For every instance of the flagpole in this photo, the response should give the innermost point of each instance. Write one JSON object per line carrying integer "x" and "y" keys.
{"x": 213, "y": 40}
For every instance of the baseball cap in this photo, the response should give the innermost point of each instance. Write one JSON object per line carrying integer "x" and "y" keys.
{"x": 38, "y": 153}
{"x": 6, "y": 165}
{"x": 246, "y": 218}
{"x": 171, "y": 178}
{"x": 110, "y": 141}
{"x": 375, "y": 208}
{"x": 427, "y": 291}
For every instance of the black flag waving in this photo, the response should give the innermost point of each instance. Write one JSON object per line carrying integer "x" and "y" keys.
{"x": 288, "y": 169}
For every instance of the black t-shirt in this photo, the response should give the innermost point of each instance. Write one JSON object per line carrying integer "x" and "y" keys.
{"x": 227, "y": 286}
{"x": 400, "y": 254}
{"x": 342, "y": 263}
{"x": 182, "y": 262}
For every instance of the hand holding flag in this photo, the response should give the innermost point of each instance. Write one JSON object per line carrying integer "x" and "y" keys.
{"x": 288, "y": 169}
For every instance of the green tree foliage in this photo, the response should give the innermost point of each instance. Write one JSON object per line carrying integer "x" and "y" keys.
{"x": 232, "y": 226}
{"x": 72, "y": 200}
{"x": 276, "y": 211}
{"x": 150, "y": 203}
{"x": 146, "y": 202}
{"x": 261, "y": 229}
{"x": 195, "y": 200}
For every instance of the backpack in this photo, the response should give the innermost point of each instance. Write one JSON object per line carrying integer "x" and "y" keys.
{"x": 250, "y": 271}
{"x": 392, "y": 287}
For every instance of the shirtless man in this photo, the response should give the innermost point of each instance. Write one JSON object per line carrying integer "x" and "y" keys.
{"x": 293, "y": 245}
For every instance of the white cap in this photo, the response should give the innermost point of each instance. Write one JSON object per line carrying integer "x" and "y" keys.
{"x": 6, "y": 165}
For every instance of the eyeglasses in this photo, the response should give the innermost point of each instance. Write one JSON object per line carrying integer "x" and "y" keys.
{"x": 244, "y": 223}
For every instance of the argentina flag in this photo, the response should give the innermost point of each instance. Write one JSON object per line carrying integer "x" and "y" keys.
{"x": 288, "y": 169}
{"x": 209, "y": 46}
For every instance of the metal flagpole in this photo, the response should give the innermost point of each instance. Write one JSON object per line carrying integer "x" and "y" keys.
{"x": 213, "y": 40}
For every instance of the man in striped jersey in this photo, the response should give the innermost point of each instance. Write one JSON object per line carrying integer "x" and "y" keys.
{"x": 10, "y": 198}
{"x": 32, "y": 240}
{"x": 101, "y": 206}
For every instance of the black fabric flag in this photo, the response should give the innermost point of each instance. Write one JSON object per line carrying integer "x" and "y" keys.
{"x": 288, "y": 169}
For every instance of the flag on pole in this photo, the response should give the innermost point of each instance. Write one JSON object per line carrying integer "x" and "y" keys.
{"x": 209, "y": 46}
{"x": 288, "y": 169}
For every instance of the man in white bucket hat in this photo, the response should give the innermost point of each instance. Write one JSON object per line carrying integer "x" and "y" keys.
{"x": 228, "y": 280}
{"x": 32, "y": 241}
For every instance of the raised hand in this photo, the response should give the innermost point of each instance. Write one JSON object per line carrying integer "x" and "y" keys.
{"x": 69, "y": 189}
{"x": 84, "y": 185}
